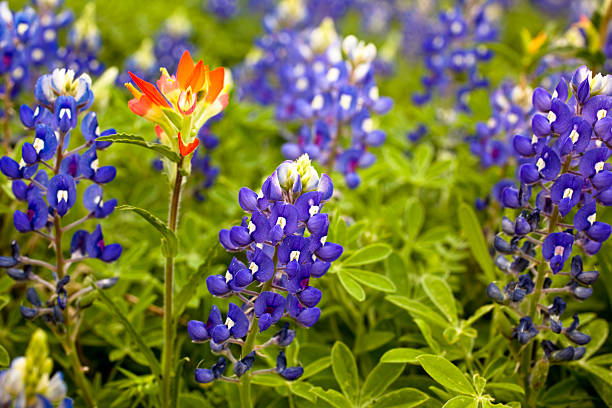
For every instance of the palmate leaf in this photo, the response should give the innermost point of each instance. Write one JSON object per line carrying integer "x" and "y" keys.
{"x": 140, "y": 141}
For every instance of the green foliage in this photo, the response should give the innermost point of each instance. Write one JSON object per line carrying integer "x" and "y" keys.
{"x": 405, "y": 320}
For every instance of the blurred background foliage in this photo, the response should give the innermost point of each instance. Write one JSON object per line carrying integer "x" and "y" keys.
{"x": 407, "y": 206}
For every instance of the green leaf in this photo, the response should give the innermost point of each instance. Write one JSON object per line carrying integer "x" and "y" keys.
{"x": 3, "y": 301}
{"x": 140, "y": 141}
{"x": 159, "y": 225}
{"x": 401, "y": 355}
{"x": 504, "y": 386}
{"x": 445, "y": 373}
{"x": 5, "y": 359}
{"x": 418, "y": 309}
{"x": 332, "y": 397}
{"x": 427, "y": 335}
{"x": 302, "y": 389}
{"x": 188, "y": 290}
{"x": 367, "y": 255}
{"x": 423, "y": 156}
{"x": 414, "y": 218}
{"x": 461, "y": 401}
{"x": 599, "y": 372}
{"x": 379, "y": 379}
{"x": 441, "y": 295}
{"x": 402, "y": 398}
{"x": 373, "y": 340}
{"x": 345, "y": 370}
{"x": 601, "y": 378}
{"x": 316, "y": 367}
{"x": 143, "y": 348}
{"x": 481, "y": 311}
{"x": 269, "y": 380}
{"x": 351, "y": 286}
{"x": 371, "y": 279}
{"x": 598, "y": 330}
{"x": 473, "y": 234}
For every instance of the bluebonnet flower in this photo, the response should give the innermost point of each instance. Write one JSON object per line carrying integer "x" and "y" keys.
{"x": 50, "y": 191}
{"x": 326, "y": 85}
{"x": 223, "y": 9}
{"x": 28, "y": 382}
{"x": 452, "y": 49}
{"x": 566, "y": 165}
{"x": 206, "y": 375}
{"x": 83, "y": 44}
{"x": 284, "y": 240}
{"x": 288, "y": 373}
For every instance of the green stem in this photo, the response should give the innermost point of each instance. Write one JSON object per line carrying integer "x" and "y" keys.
{"x": 605, "y": 21}
{"x": 246, "y": 400}
{"x": 79, "y": 374}
{"x": 8, "y": 110}
{"x": 69, "y": 341}
{"x": 168, "y": 347}
{"x": 535, "y": 299}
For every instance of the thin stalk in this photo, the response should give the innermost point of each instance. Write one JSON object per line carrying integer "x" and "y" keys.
{"x": 535, "y": 299}
{"x": 8, "y": 108}
{"x": 168, "y": 347}
{"x": 68, "y": 341}
{"x": 246, "y": 400}
{"x": 605, "y": 21}
{"x": 79, "y": 373}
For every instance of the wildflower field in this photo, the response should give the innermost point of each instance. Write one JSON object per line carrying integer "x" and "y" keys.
{"x": 305, "y": 203}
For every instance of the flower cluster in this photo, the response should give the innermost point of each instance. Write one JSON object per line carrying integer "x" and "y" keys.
{"x": 453, "y": 50}
{"x": 46, "y": 179}
{"x": 511, "y": 111}
{"x": 284, "y": 238}
{"x": 181, "y": 104}
{"x": 567, "y": 169}
{"x": 83, "y": 45}
{"x": 28, "y": 382}
{"x": 223, "y": 9}
{"x": 29, "y": 39}
{"x": 327, "y": 86}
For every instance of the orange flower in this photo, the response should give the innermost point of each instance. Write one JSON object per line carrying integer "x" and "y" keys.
{"x": 194, "y": 92}
{"x": 186, "y": 149}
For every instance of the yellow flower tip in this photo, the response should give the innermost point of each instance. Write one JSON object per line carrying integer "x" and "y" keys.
{"x": 135, "y": 92}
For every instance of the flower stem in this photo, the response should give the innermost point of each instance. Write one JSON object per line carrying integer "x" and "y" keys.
{"x": 6, "y": 120}
{"x": 605, "y": 21}
{"x": 79, "y": 374}
{"x": 168, "y": 347}
{"x": 246, "y": 400}
{"x": 531, "y": 394}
